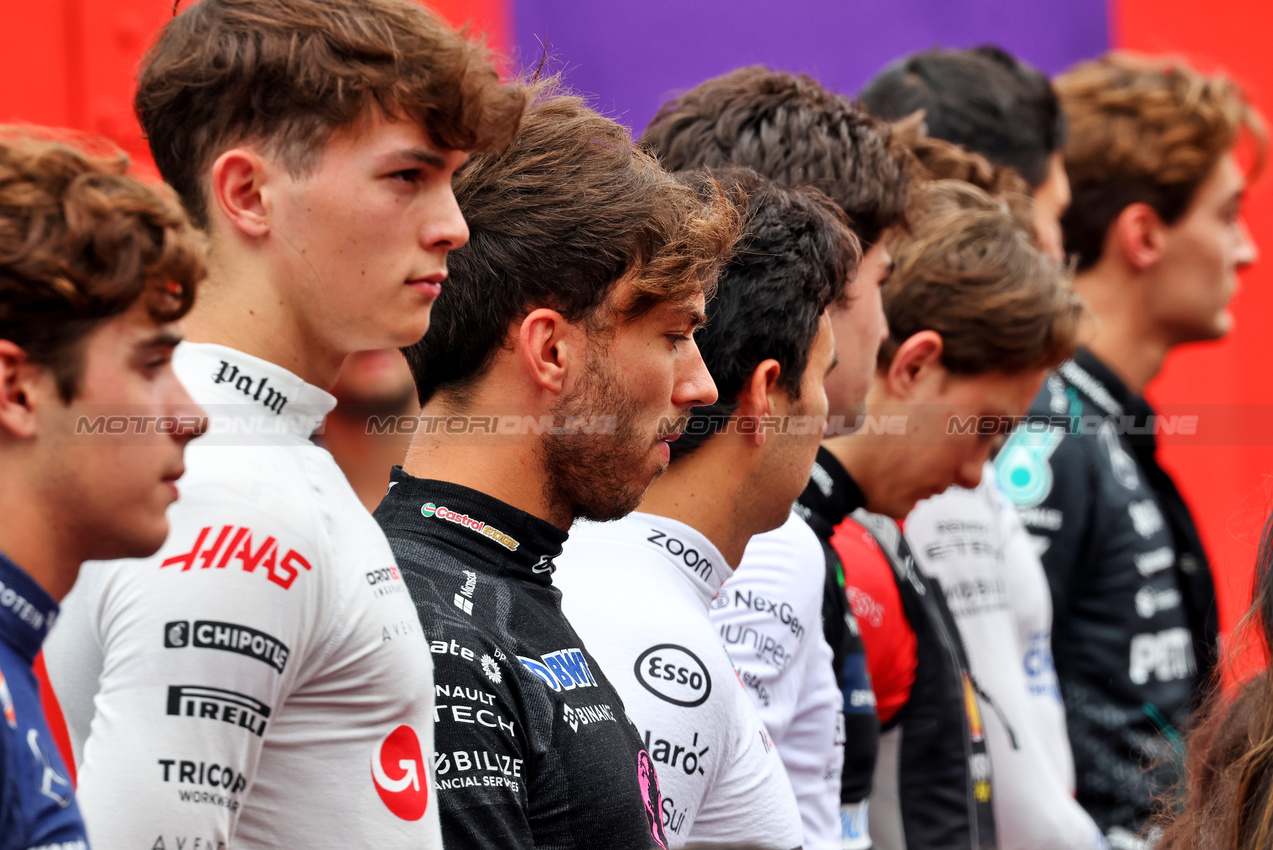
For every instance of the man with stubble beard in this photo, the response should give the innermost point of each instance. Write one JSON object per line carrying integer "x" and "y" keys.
{"x": 559, "y": 358}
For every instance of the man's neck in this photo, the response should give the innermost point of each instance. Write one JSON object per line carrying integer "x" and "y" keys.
{"x": 507, "y": 468}
{"x": 708, "y": 492}
{"x": 32, "y": 539}
{"x": 1119, "y": 333}
{"x": 240, "y": 309}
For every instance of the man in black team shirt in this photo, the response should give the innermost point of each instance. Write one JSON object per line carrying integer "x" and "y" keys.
{"x": 1157, "y": 234}
{"x": 791, "y": 130}
{"x": 559, "y": 365}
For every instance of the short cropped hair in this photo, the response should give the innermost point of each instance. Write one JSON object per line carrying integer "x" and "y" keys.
{"x": 793, "y": 259}
{"x": 556, "y": 220}
{"x": 983, "y": 99}
{"x": 288, "y": 73}
{"x": 791, "y": 130}
{"x": 1143, "y": 130}
{"x": 969, "y": 271}
{"x": 81, "y": 243}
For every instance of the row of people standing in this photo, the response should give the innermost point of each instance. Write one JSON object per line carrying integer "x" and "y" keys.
{"x": 234, "y": 687}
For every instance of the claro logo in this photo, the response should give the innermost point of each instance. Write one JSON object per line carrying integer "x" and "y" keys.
{"x": 397, "y": 770}
{"x": 674, "y": 674}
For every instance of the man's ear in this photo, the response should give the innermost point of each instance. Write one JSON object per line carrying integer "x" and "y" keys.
{"x": 1140, "y": 235}
{"x": 552, "y": 349}
{"x": 238, "y": 190}
{"x": 18, "y": 392}
{"x": 755, "y": 401}
{"x": 918, "y": 354}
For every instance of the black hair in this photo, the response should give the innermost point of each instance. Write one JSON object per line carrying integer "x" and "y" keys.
{"x": 983, "y": 99}
{"x": 793, "y": 259}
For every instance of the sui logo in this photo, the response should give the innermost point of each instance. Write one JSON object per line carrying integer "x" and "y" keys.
{"x": 397, "y": 769}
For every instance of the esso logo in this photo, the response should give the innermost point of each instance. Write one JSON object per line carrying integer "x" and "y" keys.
{"x": 397, "y": 769}
{"x": 674, "y": 674}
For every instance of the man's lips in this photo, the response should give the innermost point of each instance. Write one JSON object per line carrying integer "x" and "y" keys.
{"x": 428, "y": 284}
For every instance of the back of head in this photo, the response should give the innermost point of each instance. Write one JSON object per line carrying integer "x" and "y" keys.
{"x": 938, "y": 159}
{"x": 1143, "y": 130}
{"x": 967, "y": 269}
{"x": 81, "y": 243}
{"x": 556, "y": 220}
{"x": 792, "y": 260}
{"x": 982, "y": 99}
{"x": 789, "y": 129}
{"x": 286, "y": 74}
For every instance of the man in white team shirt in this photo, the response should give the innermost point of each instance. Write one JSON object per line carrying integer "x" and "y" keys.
{"x": 638, "y": 590}
{"x": 262, "y": 681}
{"x": 972, "y": 542}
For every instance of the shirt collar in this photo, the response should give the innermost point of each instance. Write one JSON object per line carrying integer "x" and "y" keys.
{"x": 504, "y": 536}
{"x": 830, "y": 496}
{"x": 1107, "y": 391}
{"x": 688, "y": 550}
{"x": 245, "y": 395}
{"x": 27, "y": 612}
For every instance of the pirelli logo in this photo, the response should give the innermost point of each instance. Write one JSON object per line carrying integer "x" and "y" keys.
{"x": 218, "y": 704}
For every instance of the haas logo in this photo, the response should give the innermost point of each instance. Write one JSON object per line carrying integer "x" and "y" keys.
{"x": 397, "y": 769}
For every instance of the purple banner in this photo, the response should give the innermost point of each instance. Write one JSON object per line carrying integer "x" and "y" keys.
{"x": 630, "y": 57}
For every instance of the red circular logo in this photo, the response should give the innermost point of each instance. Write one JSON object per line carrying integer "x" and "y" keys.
{"x": 397, "y": 769}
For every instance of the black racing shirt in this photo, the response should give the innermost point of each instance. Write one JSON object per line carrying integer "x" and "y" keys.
{"x": 829, "y": 498}
{"x": 533, "y": 747}
{"x": 1134, "y": 622}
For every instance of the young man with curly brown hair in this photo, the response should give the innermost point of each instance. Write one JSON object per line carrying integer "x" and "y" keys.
{"x": 96, "y": 270}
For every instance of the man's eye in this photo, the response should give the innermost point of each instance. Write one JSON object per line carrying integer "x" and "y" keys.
{"x": 677, "y": 338}
{"x": 408, "y": 175}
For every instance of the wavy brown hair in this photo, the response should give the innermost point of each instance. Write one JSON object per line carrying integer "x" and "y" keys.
{"x": 1228, "y": 783}
{"x": 80, "y": 243}
{"x": 289, "y": 73}
{"x": 557, "y": 219}
{"x": 1144, "y": 130}
{"x": 938, "y": 159}
{"x": 969, "y": 270}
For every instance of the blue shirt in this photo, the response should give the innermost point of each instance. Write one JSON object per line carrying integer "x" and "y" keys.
{"x": 37, "y": 801}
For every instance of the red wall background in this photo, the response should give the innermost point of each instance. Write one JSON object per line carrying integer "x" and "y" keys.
{"x": 1227, "y": 472}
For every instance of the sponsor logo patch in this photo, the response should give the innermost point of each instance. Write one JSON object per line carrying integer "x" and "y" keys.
{"x": 218, "y": 704}
{"x": 227, "y": 637}
{"x": 563, "y": 670}
{"x": 429, "y": 509}
{"x": 234, "y": 543}
{"x": 397, "y": 770}
{"x": 674, "y": 674}
{"x": 586, "y": 715}
{"x": 464, "y": 599}
{"x": 690, "y": 758}
{"x": 225, "y": 781}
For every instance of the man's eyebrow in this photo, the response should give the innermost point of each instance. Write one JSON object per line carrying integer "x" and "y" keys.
{"x": 423, "y": 156}
{"x": 162, "y": 339}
